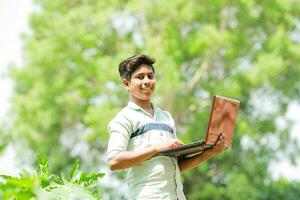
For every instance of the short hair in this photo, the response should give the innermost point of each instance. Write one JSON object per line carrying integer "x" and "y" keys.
{"x": 131, "y": 64}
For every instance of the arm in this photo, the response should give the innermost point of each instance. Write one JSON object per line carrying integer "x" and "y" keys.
{"x": 189, "y": 163}
{"x": 127, "y": 159}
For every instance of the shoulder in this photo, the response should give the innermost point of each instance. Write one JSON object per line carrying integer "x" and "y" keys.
{"x": 121, "y": 116}
{"x": 121, "y": 120}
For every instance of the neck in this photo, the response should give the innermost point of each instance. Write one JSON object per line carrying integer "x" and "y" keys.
{"x": 143, "y": 104}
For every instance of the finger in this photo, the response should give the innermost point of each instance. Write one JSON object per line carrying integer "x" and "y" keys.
{"x": 222, "y": 138}
{"x": 179, "y": 141}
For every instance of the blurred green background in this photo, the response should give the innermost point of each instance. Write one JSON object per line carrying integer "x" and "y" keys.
{"x": 68, "y": 88}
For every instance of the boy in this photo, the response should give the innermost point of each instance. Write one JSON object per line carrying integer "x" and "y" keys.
{"x": 140, "y": 131}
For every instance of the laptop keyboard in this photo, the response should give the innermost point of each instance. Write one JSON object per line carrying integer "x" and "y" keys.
{"x": 193, "y": 144}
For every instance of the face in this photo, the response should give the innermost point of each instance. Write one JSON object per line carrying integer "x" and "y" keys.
{"x": 141, "y": 85}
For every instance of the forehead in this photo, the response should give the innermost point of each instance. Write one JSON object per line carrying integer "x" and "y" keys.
{"x": 143, "y": 69}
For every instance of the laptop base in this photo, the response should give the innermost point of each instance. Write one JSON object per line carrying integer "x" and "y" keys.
{"x": 186, "y": 151}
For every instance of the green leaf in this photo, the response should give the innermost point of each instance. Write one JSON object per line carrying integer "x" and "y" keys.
{"x": 73, "y": 170}
{"x": 58, "y": 179}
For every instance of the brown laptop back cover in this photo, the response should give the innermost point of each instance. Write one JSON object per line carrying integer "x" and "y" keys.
{"x": 222, "y": 120}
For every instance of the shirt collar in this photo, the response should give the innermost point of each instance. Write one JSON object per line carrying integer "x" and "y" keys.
{"x": 134, "y": 106}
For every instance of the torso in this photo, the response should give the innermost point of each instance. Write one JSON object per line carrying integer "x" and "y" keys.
{"x": 160, "y": 176}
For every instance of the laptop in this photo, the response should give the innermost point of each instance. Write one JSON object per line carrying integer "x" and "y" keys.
{"x": 222, "y": 119}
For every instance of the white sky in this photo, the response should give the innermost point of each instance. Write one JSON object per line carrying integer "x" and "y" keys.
{"x": 13, "y": 21}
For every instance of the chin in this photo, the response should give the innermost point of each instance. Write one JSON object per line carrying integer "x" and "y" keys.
{"x": 146, "y": 98}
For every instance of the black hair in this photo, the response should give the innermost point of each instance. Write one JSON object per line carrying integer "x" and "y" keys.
{"x": 129, "y": 65}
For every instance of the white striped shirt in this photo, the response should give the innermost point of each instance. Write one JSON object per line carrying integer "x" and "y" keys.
{"x": 134, "y": 129}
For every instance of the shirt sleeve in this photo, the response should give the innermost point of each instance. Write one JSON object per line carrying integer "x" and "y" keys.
{"x": 119, "y": 134}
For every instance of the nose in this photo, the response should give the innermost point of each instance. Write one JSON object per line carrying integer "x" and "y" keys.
{"x": 146, "y": 81}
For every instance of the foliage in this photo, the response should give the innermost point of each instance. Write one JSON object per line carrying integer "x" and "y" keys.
{"x": 250, "y": 50}
{"x": 283, "y": 189}
{"x": 44, "y": 185}
{"x": 17, "y": 188}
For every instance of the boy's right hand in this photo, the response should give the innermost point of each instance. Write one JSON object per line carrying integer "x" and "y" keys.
{"x": 170, "y": 144}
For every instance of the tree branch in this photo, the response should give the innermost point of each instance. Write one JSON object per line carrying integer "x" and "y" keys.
{"x": 202, "y": 70}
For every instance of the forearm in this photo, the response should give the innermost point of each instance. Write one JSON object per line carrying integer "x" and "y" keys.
{"x": 189, "y": 163}
{"x": 129, "y": 159}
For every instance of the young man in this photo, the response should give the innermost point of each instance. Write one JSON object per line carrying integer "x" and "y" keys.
{"x": 140, "y": 131}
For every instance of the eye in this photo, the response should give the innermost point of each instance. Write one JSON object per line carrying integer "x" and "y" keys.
{"x": 140, "y": 77}
{"x": 150, "y": 76}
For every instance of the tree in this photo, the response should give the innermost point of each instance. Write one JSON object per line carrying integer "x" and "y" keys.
{"x": 249, "y": 50}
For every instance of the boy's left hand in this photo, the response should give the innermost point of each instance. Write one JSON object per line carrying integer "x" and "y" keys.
{"x": 219, "y": 146}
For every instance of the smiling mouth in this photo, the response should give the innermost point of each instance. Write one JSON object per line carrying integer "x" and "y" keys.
{"x": 147, "y": 89}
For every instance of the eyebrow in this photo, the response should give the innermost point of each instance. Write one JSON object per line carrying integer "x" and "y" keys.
{"x": 150, "y": 73}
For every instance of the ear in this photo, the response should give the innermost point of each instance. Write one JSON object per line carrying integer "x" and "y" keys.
{"x": 126, "y": 83}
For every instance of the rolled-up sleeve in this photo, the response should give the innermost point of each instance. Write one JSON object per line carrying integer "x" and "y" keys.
{"x": 119, "y": 134}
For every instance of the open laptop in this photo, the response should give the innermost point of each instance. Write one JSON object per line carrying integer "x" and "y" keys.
{"x": 223, "y": 115}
